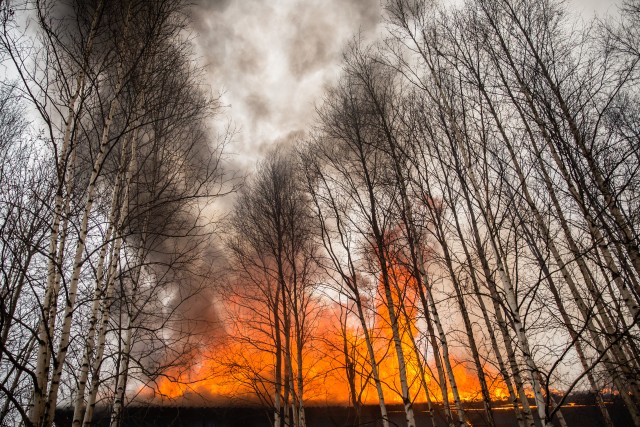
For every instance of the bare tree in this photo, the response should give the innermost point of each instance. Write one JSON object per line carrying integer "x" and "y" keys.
{"x": 273, "y": 253}
{"x": 127, "y": 141}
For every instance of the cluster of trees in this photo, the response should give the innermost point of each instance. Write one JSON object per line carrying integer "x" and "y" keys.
{"x": 273, "y": 255}
{"x": 106, "y": 163}
{"x": 474, "y": 176}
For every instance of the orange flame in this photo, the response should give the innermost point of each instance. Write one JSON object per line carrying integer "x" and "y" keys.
{"x": 242, "y": 366}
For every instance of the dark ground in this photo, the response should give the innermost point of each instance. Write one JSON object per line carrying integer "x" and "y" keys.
{"x": 582, "y": 414}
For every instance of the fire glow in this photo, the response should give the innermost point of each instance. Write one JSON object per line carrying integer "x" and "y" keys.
{"x": 220, "y": 375}
{"x": 241, "y": 367}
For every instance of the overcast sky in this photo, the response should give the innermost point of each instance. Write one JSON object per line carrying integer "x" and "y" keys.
{"x": 272, "y": 59}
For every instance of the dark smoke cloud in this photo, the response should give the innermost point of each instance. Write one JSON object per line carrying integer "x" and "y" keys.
{"x": 272, "y": 60}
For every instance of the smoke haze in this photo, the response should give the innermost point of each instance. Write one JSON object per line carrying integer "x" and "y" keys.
{"x": 272, "y": 61}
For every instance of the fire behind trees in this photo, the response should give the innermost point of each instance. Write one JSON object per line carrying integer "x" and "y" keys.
{"x": 467, "y": 197}
{"x": 460, "y": 224}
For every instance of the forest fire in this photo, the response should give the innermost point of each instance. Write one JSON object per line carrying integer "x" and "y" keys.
{"x": 241, "y": 367}
{"x": 420, "y": 212}
{"x": 214, "y": 378}
{"x": 366, "y": 345}
{"x": 239, "y": 370}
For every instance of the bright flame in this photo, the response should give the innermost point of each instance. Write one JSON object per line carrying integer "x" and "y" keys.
{"x": 242, "y": 366}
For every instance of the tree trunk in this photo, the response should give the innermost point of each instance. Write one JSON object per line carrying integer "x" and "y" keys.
{"x": 45, "y": 327}
{"x": 121, "y": 388}
{"x": 78, "y": 263}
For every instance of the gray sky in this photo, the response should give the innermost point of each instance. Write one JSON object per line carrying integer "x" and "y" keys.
{"x": 589, "y": 7}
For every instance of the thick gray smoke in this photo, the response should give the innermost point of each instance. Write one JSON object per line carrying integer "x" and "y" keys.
{"x": 272, "y": 60}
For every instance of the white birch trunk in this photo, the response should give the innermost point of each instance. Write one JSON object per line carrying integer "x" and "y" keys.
{"x": 572, "y": 244}
{"x": 446, "y": 358}
{"x": 45, "y": 326}
{"x": 120, "y": 394}
{"x": 374, "y": 364}
{"x": 277, "y": 404}
{"x": 102, "y": 331}
{"x": 383, "y": 264}
{"x": 408, "y": 405}
{"x": 118, "y": 212}
{"x": 611, "y": 202}
{"x": 418, "y": 357}
{"x": 556, "y": 254}
{"x": 586, "y": 313}
{"x": 56, "y": 252}
{"x": 301, "y": 415}
{"x": 502, "y": 325}
{"x": 440, "y": 97}
{"x": 87, "y": 413}
{"x": 510, "y": 294}
{"x": 416, "y": 255}
{"x": 98, "y": 300}
{"x": 350, "y": 278}
{"x": 77, "y": 266}
{"x": 486, "y": 397}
